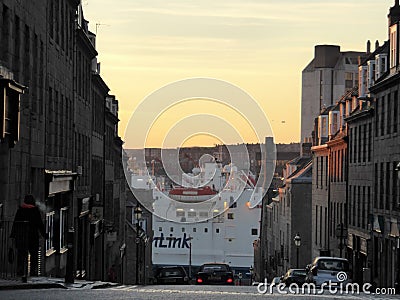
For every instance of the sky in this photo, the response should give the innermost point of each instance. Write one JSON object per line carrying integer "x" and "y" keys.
{"x": 259, "y": 46}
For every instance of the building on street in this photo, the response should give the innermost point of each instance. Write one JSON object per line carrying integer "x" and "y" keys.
{"x": 60, "y": 142}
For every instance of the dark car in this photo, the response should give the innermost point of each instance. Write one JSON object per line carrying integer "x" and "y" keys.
{"x": 171, "y": 275}
{"x": 215, "y": 273}
{"x": 297, "y": 276}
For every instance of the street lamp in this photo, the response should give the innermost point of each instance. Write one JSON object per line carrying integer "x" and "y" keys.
{"x": 138, "y": 216}
{"x": 341, "y": 234}
{"x": 297, "y": 243}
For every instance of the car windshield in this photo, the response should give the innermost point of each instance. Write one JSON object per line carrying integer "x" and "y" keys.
{"x": 333, "y": 265}
{"x": 299, "y": 273}
{"x": 171, "y": 272}
{"x": 213, "y": 268}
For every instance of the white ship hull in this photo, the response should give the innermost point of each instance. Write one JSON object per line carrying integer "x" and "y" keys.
{"x": 217, "y": 230}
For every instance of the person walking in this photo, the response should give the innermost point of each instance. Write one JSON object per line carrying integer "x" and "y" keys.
{"x": 26, "y": 228}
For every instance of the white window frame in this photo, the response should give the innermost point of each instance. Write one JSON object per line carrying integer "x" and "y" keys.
{"x": 63, "y": 228}
{"x": 393, "y": 45}
{"x": 50, "y": 233}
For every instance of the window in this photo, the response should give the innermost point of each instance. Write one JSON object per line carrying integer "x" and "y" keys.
{"x": 395, "y": 201}
{"x": 382, "y": 116}
{"x": 348, "y": 80}
{"x": 320, "y": 225}
{"x": 365, "y": 143}
{"x": 191, "y": 214}
{"x": 230, "y": 216}
{"x": 317, "y": 172}
{"x": 389, "y": 114}
{"x": 387, "y": 188}
{"x": 381, "y": 186}
{"x": 376, "y": 186}
{"x": 183, "y": 229}
{"x": 369, "y": 145}
{"x": 232, "y": 202}
{"x": 206, "y": 230}
{"x": 63, "y": 227}
{"x": 171, "y": 229}
{"x": 50, "y": 233}
{"x": 159, "y": 228}
{"x": 203, "y": 214}
{"x": 180, "y": 213}
{"x": 395, "y": 111}
{"x": 194, "y": 229}
{"x": 359, "y": 206}
{"x": 359, "y": 144}
{"x": 217, "y": 230}
{"x": 377, "y": 114}
{"x": 254, "y": 231}
{"x": 350, "y": 205}
{"x": 363, "y": 200}
{"x": 393, "y": 45}
{"x": 316, "y": 224}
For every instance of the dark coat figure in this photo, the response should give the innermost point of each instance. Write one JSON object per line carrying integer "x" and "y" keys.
{"x": 27, "y": 225}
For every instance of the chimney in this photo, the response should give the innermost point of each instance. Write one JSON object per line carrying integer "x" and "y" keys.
{"x": 305, "y": 150}
{"x": 394, "y": 14}
{"x": 368, "y": 47}
{"x": 376, "y": 44}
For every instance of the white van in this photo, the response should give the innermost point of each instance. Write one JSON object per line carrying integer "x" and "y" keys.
{"x": 327, "y": 270}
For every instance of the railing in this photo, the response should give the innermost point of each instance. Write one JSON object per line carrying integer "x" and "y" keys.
{"x": 12, "y": 266}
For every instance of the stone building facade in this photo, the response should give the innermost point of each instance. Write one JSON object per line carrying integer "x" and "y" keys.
{"x": 58, "y": 156}
{"x": 285, "y": 216}
{"x": 386, "y": 156}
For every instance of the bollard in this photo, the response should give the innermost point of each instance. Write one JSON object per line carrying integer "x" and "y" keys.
{"x": 69, "y": 273}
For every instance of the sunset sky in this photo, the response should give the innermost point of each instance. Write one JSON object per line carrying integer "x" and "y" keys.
{"x": 260, "y": 46}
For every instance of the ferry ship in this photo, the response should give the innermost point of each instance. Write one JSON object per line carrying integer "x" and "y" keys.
{"x": 213, "y": 216}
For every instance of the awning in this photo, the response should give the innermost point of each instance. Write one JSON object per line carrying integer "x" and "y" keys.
{"x": 59, "y": 181}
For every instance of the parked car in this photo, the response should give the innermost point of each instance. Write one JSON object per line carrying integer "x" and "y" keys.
{"x": 276, "y": 280}
{"x": 171, "y": 275}
{"x": 294, "y": 276}
{"x": 326, "y": 269}
{"x": 215, "y": 273}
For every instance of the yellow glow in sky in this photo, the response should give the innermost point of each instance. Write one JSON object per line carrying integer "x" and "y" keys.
{"x": 261, "y": 46}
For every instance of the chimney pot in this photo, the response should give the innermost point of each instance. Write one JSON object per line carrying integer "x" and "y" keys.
{"x": 368, "y": 47}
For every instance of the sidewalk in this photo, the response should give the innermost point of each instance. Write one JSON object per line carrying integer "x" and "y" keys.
{"x": 52, "y": 283}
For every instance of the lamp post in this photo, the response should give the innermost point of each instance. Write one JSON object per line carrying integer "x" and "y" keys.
{"x": 297, "y": 243}
{"x": 341, "y": 234}
{"x": 138, "y": 216}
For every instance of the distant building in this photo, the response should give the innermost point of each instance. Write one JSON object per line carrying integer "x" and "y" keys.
{"x": 329, "y": 75}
